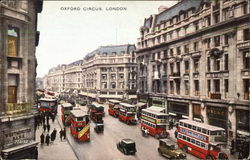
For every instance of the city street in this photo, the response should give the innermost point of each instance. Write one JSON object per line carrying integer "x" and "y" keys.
{"x": 103, "y": 145}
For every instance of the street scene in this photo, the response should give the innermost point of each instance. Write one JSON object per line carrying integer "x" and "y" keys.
{"x": 125, "y": 80}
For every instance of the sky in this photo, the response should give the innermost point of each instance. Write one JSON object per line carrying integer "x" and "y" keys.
{"x": 68, "y": 31}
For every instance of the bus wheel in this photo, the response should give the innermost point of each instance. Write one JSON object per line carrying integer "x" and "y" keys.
{"x": 185, "y": 149}
{"x": 209, "y": 157}
{"x": 157, "y": 136}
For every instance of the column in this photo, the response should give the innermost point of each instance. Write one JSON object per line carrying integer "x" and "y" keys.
{"x": 190, "y": 115}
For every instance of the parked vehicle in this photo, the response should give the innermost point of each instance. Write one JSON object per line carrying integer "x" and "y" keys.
{"x": 48, "y": 105}
{"x": 201, "y": 140}
{"x": 155, "y": 122}
{"x": 127, "y": 146}
{"x": 168, "y": 149}
{"x": 113, "y": 107}
{"x": 80, "y": 125}
{"x": 99, "y": 127}
{"x": 127, "y": 113}
{"x": 65, "y": 109}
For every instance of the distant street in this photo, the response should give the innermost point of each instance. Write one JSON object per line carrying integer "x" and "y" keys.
{"x": 103, "y": 145}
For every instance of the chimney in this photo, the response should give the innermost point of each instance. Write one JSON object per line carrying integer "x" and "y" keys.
{"x": 162, "y": 8}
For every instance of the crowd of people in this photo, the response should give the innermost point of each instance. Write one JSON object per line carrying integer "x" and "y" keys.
{"x": 43, "y": 119}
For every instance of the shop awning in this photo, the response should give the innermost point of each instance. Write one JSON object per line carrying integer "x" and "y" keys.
{"x": 20, "y": 147}
{"x": 110, "y": 96}
{"x": 132, "y": 96}
{"x": 140, "y": 104}
{"x": 157, "y": 109}
{"x": 243, "y": 133}
{"x": 83, "y": 93}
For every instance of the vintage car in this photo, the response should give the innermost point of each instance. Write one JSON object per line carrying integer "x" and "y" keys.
{"x": 168, "y": 149}
{"x": 127, "y": 146}
{"x": 99, "y": 127}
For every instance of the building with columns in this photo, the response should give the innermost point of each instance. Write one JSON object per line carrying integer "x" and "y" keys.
{"x": 193, "y": 59}
{"x": 19, "y": 38}
{"x": 110, "y": 72}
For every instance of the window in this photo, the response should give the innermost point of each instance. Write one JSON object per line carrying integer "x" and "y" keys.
{"x": 204, "y": 131}
{"x": 226, "y": 62}
{"x": 208, "y": 64}
{"x": 186, "y": 83}
{"x": 121, "y": 75}
{"x": 226, "y": 85}
{"x": 226, "y": 37}
{"x": 189, "y": 126}
{"x": 113, "y": 76}
{"x": 104, "y": 69}
{"x": 196, "y": 46}
{"x": 121, "y": 69}
{"x": 244, "y": 8}
{"x": 217, "y": 85}
{"x": 186, "y": 66}
{"x": 226, "y": 13}
{"x": 209, "y": 85}
{"x": 196, "y": 26}
{"x": 196, "y": 113}
{"x": 246, "y": 85}
{"x": 13, "y": 41}
{"x": 171, "y": 52}
{"x": 216, "y": 18}
{"x": 203, "y": 145}
{"x": 217, "y": 64}
{"x": 246, "y": 34}
{"x": 198, "y": 143}
{"x": 193, "y": 141}
{"x": 186, "y": 48}
{"x": 113, "y": 85}
{"x": 196, "y": 65}
{"x": 104, "y": 76}
{"x": 188, "y": 139}
{"x": 246, "y": 60}
{"x": 12, "y": 88}
{"x": 198, "y": 129}
{"x": 178, "y": 50}
{"x": 159, "y": 55}
{"x": 165, "y": 53}
{"x": 184, "y": 137}
{"x": 171, "y": 87}
{"x": 171, "y": 68}
{"x": 217, "y": 41}
{"x": 196, "y": 85}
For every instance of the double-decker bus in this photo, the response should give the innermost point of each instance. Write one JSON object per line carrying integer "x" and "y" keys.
{"x": 127, "y": 113}
{"x": 80, "y": 125}
{"x": 201, "y": 140}
{"x": 47, "y": 105}
{"x": 113, "y": 107}
{"x": 65, "y": 109}
{"x": 96, "y": 112}
{"x": 155, "y": 122}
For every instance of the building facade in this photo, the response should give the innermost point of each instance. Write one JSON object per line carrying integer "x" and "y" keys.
{"x": 110, "y": 72}
{"x": 193, "y": 59}
{"x": 19, "y": 38}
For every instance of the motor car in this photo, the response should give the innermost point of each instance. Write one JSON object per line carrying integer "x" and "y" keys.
{"x": 127, "y": 146}
{"x": 168, "y": 149}
{"x": 99, "y": 127}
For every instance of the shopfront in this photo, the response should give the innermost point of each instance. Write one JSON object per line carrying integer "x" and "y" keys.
{"x": 218, "y": 116}
{"x": 158, "y": 101}
{"x": 178, "y": 110}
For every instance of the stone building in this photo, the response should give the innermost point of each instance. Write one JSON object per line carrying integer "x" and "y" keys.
{"x": 193, "y": 59}
{"x": 19, "y": 38}
{"x": 110, "y": 72}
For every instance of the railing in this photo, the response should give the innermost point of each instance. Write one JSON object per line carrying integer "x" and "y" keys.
{"x": 17, "y": 108}
{"x": 215, "y": 95}
{"x": 246, "y": 96}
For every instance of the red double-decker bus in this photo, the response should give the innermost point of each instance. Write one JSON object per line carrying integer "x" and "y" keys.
{"x": 155, "y": 122}
{"x": 65, "y": 109}
{"x": 113, "y": 107}
{"x": 96, "y": 112}
{"x": 201, "y": 140}
{"x": 47, "y": 105}
{"x": 80, "y": 125}
{"x": 127, "y": 113}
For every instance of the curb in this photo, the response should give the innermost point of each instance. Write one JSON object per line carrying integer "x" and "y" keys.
{"x": 67, "y": 138}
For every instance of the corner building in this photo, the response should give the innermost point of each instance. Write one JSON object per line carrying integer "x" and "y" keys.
{"x": 193, "y": 59}
{"x": 109, "y": 72}
{"x": 18, "y": 40}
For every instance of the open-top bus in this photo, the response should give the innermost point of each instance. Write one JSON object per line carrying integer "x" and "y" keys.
{"x": 154, "y": 122}
{"x": 80, "y": 125}
{"x": 113, "y": 107}
{"x": 127, "y": 113}
{"x": 65, "y": 109}
{"x": 96, "y": 112}
{"x": 48, "y": 105}
{"x": 201, "y": 140}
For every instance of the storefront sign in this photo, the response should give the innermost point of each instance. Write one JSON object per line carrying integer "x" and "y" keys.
{"x": 21, "y": 136}
{"x": 193, "y": 134}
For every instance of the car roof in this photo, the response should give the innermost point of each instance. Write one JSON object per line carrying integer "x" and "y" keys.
{"x": 167, "y": 141}
{"x": 128, "y": 141}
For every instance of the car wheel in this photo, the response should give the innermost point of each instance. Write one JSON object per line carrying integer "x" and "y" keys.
{"x": 185, "y": 149}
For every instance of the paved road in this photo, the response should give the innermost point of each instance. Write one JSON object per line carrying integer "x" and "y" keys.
{"x": 103, "y": 145}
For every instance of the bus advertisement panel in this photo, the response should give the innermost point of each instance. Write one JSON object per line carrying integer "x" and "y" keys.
{"x": 202, "y": 140}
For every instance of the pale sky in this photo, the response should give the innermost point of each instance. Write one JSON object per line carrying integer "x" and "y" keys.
{"x": 68, "y": 35}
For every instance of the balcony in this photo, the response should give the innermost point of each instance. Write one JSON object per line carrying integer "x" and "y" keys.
{"x": 215, "y": 95}
{"x": 18, "y": 108}
{"x": 246, "y": 96}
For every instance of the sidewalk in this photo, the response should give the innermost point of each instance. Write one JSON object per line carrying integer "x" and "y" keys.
{"x": 56, "y": 150}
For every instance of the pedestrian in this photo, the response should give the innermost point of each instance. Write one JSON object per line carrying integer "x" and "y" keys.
{"x": 47, "y": 139}
{"x": 61, "y": 134}
{"x": 64, "y": 133}
{"x": 53, "y": 134}
{"x": 48, "y": 127}
{"x": 43, "y": 118}
{"x": 44, "y": 127}
{"x": 53, "y": 118}
{"x": 176, "y": 133}
{"x": 42, "y": 138}
{"x": 47, "y": 118}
